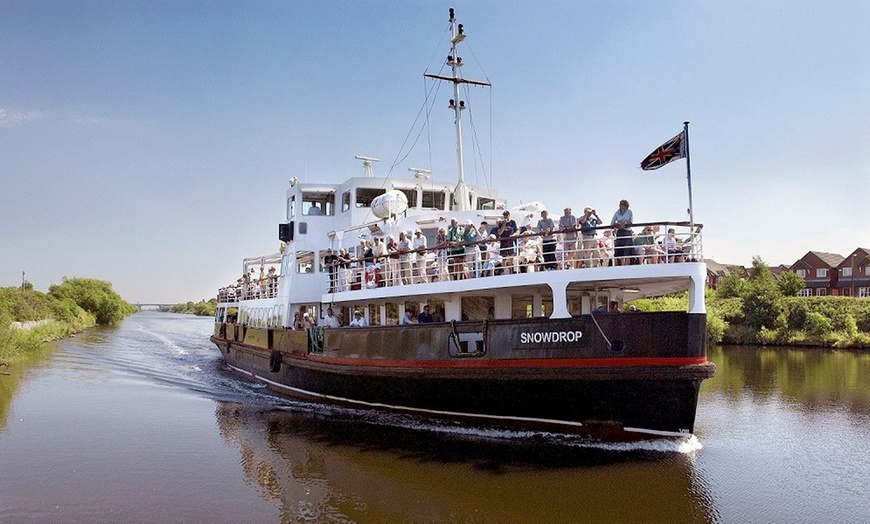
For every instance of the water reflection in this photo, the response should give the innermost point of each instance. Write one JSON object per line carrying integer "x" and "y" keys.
{"x": 325, "y": 468}
{"x": 811, "y": 377}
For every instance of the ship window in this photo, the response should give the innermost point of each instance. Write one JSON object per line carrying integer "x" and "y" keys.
{"x": 411, "y": 195}
{"x": 364, "y": 196}
{"x": 392, "y": 313}
{"x": 318, "y": 203}
{"x": 433, "y": 199}
{"x": 305, "y": 262}
{"x": 375, "y": 315}
{"x": 291, "y": 207}
{"x": 478, "y": 308}
{"x": 345, "y": 201}
{"x": 485, "y": 203}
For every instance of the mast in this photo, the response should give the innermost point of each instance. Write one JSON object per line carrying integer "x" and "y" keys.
{"x": 461, "y": 194}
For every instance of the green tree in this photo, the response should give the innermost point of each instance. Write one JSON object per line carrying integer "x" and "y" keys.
{"x": 94, "y": 296}
{"x": 762, "y": 299}
{"x": 790, "y": 284}
{"x": 731, "y": 286}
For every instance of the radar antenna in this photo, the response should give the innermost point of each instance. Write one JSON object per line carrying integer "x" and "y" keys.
{"x": 367, "y": 164}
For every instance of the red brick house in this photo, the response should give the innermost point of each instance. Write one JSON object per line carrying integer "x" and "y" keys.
{"x": 854, "y": 274}
{"x": 716, "y": 272}
{"x": 820, "y": 273}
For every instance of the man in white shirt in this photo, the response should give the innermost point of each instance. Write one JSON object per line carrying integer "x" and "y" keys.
{"x": 418, "y": 246}
{"x": 358, "y": 320}
{"x": 331, "y": 320}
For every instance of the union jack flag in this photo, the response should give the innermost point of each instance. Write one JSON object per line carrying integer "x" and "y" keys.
{"x": 671, "y": 150}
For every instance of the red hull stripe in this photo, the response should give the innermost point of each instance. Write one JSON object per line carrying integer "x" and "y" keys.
{"x": 516, "y": 363}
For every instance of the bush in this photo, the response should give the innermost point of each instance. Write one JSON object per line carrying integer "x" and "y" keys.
{"x": 94, "y": 296}
{"x": 817, "y": 324}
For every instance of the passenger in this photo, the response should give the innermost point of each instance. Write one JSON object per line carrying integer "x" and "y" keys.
{"x": 391, "y": 263}
{"x": 404, "y": 251}
{"x": 472, "y": 252}
{"x": 457, "y": 252}
{"x": 307, "y": 321}
{"x": 345, "y": 266}
{"x": 425, "y": 317}
{"x": 568, "y": 227}
{"x": 493, "y": 257}
{"x": 331, "y": 263}
{"x": 407, "y": 318}
{"x": 548, "y": 240}
{"x": 590, "y": 246}
{"x": 483, "y": 234}
{"x": 649, "y": 250}
{"x": 418, "y": 257}
{"x": 379, "y": 257}
{"x": 605, "y": 248}
{"x": 297, "y": 321}
{"x": 273, "y": 281}
{"x": 358, "y": 320}
{"x": 673, "y": 247}
{"x": 529, "y": 254}
{"x": 507, "y": 232}
{"x": 441, "y": 254}
{"x": 622, "y": 220}
{"x": 330, "y": 320}
{"x": 314, "y": 210}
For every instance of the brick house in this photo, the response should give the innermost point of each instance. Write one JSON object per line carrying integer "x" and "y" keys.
{"x": 716, "y": 272}
{"x": 854, "y": 274}
{"x": 820, "y": 273}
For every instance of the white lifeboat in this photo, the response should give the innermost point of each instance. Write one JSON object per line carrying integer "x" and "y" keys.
{"x": 390, "y": 204}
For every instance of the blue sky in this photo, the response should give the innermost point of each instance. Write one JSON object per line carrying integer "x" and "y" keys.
{"x": 149, "y": 143}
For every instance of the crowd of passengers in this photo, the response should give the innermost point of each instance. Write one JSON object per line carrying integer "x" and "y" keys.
{"x": 249, "y": 286}
{"x": 471, "y": 251}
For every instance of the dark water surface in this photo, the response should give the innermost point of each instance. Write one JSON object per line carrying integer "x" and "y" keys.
{"x": 144, "y": 424}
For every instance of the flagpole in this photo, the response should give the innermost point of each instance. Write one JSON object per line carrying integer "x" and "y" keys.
{"x": 689, "y": 176}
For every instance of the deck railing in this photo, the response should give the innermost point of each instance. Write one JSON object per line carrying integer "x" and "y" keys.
{"x": 527, "y": 252}
{"x": 648, "y": 243}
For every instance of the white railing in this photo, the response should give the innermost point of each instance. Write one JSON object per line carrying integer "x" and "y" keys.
{"x": 527, "y": 252}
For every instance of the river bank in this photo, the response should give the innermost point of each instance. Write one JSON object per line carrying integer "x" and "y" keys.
{"x": 29, "y": 318}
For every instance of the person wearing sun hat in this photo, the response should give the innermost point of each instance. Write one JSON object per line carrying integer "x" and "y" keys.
{"x": 358, "y": 320}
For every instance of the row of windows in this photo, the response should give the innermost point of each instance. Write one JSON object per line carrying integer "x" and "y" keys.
{"x": 823, "y": 272}
{"x": 860, "y": 292}
{"x": 323, "y": 203}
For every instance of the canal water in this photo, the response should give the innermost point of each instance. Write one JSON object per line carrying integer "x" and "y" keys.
{"x": 143, "y": 423}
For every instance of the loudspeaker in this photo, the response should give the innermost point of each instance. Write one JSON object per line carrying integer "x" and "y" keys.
{"x": 285, "y": 232}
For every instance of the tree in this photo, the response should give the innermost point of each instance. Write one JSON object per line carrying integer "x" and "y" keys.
{"x": 790, "y": 284}
{"x": 94, "y": 296}
{"x": 732, "y": 286}
{"x": 762, "y": 298}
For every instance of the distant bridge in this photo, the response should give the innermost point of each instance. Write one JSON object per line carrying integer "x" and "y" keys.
{"x": 142, "y": 306}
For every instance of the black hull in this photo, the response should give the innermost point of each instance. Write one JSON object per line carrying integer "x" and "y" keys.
{"x": 609, "y": 398}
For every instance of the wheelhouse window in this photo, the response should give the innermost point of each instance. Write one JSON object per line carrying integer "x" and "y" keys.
{"x": 305, "y": 262}
{"x": 433, "y": 199}
{"x": 291, "y": 207}
{"x": 315, "y": 203}
{"x": 364, "y": 196}
{"x": 345, "y": 201}
{"x": 485, "y": 203}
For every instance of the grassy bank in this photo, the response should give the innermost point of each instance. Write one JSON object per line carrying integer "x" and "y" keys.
{"x": 29, "y": 318}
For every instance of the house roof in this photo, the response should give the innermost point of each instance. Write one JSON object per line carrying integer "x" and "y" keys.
{"x": 831, "y": 259}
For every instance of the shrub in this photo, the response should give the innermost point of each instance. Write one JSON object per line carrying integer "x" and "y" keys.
{"x": 94, "y": 296}
{"x": 817, "y": 324}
